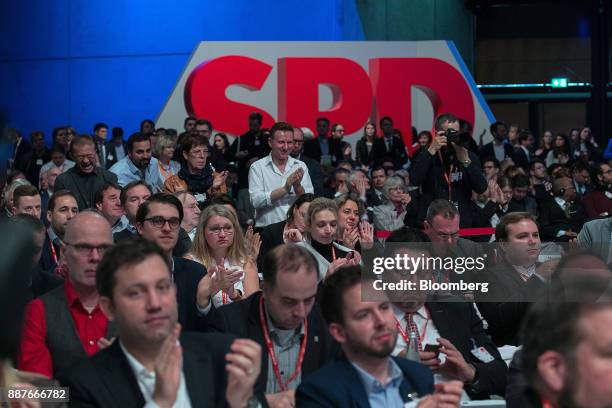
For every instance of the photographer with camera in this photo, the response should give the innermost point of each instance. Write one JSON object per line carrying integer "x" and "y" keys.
{"x": 448, "y": 170}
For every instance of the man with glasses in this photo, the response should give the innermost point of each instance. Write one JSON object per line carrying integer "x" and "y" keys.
{"x": 314, "y": 168}
{"x": 85, "y": 178}
{"x": 158, "y": 220}
{"x": 67, "y": 324}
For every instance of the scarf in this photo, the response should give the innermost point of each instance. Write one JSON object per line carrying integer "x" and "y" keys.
{"x": 197, "y": 183}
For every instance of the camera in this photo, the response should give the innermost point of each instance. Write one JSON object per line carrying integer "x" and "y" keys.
{"x": 457, "y": 137}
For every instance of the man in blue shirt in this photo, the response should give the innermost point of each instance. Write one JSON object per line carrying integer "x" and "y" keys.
{"x": 366, "y": 375}
{"x": 138, "y": 164}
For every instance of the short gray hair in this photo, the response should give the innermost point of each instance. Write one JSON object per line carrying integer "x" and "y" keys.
{"x": 391, "y": 183}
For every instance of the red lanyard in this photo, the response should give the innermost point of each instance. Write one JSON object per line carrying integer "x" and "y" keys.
{"x": 270, "y": 346}
{"x": 546, "y": 403}
{"x": 333, "y": 253}
{"x": 447, "y": 176}
{"x": 53, "y": 253}
{"x": 405, "y": 335}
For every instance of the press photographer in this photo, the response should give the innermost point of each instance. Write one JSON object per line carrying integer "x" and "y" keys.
{"x": 449, "y": 170}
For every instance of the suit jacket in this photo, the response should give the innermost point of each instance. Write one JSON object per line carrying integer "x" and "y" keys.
{"x": 459, "y": 323}
{"x": 271, "y": 237}
{"x": 595, "y": 235}
{"x": 488, "y": 151}
{"x": 46, "y": 261}
{"x": 312, "y": 149}
{"x": 111, "y": 153}
{"x": 397, "y": 154}
{"x": 107, "y": 379}
{"x": 187, "y": 274}
{"x": 338, "y": 385}
{"x": 315, "y": 172}
{"x": 242, "y": 319}
{"x": 362, "y": 156}
{"x": 552, "y": 219}
{"x": 507, "y": 300}
{"x": 521, "y": 158}
{"x": 73, "y": 180}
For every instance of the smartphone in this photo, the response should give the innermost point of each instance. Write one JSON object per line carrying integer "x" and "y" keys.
{"x": 432, "y": 348}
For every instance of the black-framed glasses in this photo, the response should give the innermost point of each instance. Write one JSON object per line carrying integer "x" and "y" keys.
{"x": 159, "y": 222}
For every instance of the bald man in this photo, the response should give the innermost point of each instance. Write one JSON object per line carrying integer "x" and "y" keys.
{"x": 67, "y": 324}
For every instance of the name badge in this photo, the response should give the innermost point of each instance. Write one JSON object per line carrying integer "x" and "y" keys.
{"x": 110, "y": 157}
{"x": 39, "y": 162}
{"x": 200, "y": 198}
{"x": 482, "y": 354}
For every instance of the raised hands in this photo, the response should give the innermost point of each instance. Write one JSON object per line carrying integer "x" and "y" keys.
{"x": 168, "y": 368}
{"x": 243, "y": 367}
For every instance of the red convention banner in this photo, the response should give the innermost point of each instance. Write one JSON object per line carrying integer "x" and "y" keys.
{"x": 347, "y": 82}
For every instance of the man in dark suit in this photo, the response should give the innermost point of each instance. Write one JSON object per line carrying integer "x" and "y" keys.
{"x": 515, "y": 280}
{"x": 314, "y": 168}
{"x": 285, "y": 314}
{"x": 20, "y": 146}
{"x": 561, "y": 216}
{"x": 158, "y": 220}
{"x": 62, "y": 208}
{"x": 323, "y": 148}
{"x": 523, "y": 153}
{"x": 137, "y": 293}
{"x": 116, "y": 148}
{"x": 498, "y": 148}
{"x": 85, "y": 178}
{"x": 388, "y": 146}
{"x": 366, "y": 375}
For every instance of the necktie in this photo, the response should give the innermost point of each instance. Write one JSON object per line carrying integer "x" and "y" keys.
{"x": 411, "y": 327}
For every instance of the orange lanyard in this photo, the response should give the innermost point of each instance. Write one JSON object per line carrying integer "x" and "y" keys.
{"x": 270, "y": 347}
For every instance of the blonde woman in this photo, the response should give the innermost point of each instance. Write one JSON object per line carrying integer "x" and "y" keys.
{"x": 220, "y": 246}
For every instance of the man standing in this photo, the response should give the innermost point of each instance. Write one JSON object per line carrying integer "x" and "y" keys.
{"x": 32, "y": 162}
{"x": 498, "y": 148}
{"x": 85, "y": 178}
{"x": 367, "y": 375}
{"x": 153, "y": 364}
{"x": 67, "y": 324}
{"x": 158, "y": 220}
{"x": 323, "y": 149}
{"x": 138, "y": 165}
{"x": 284, "y": 319}
{"x": 278, "y": 179}
{"x": 389, "y": 147}
{"x": 107, "y": 201}
{"x": 314, "y": 168}
{"x": 115, "y": 148}
{"x": 100, "y": 134}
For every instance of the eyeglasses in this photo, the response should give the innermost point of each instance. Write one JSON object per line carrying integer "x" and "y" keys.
{"x": 217, "y": 230}
{"x": 86, "y": 249}
{"x": 159, "y": 222}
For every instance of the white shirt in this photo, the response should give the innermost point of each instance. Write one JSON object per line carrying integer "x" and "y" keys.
{"x": 423, "y": 321}
{"x": 265, "y": 177}
{"x": 146, "y": 383}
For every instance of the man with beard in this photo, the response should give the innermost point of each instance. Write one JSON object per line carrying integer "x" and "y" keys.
{"x": 85, "y": 178}
{"x": 138, "y": 165}
{"x": 598, "y": 203}
{"x": 62, "y": 208}
{"x": 153, "y": 364}
{"x": 367, "y": 375}
{"x": 565, "y": 353}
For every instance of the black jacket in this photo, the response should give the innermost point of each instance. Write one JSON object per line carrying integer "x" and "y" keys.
{"x": 187, "y": 275}
{"x": 312, "y": 149}
{"x": 84, "y": 186}
{"x": 242, "y": 319}
{"x": 107, "y": 379}
{"x": 552, "y": 219}
{"x": 488, "y": 151}
{"x": 430, "y": 173}
{"x": 111, "y": 153}
{"x": 397, "y": 154}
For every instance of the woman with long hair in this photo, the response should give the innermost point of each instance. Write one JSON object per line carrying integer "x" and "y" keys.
{"x": 222, "y": 147}
{"x": 365, "y": 144}
{"x": 219, "y": 245}
{"x": 560, "y": 152}
{"x": 321, "y": 230}
{"x": 546, "y": 145}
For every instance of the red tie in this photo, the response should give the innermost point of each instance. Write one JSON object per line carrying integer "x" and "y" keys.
{"x": 412, "y": 327}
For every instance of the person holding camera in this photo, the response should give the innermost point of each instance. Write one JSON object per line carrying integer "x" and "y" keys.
{"x": 448, "y": 170}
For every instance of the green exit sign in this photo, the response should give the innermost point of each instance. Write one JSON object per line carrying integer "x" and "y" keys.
{"x": 558, "y": 82}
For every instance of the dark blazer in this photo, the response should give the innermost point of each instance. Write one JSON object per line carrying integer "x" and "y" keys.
{"x": 521, "y": 159}
{"x": 552, "y": 219}
{"x": 363, "y": 157}
{"x": 111, "y": 151}
{"x": 397, "y": 154}
{"x": 242, "y": 319}
{"x": 458, "y": 323}
{"x": 187, "y": 274}
{"x": 315, "y": 172}
{"x": 507, "y": 300}
{"x": 123, "y": 235}
{"x": 338, "y": 385}
{"x": 271, "y": 237}
{"x": 107, "y": 379}
{"x": 488, "y": 151}
{"x": 312, "y": 149}
{"x": 42, "y": 282}
{"x": 73, "y": 180}
{"x": 46, "y": 261}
